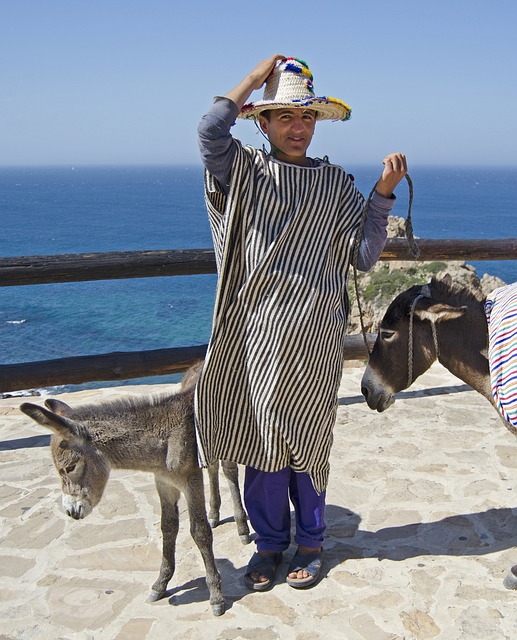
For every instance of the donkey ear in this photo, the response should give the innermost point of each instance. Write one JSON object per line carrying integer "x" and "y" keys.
{"x": 447, "y": 279}
{"x": 59, "y": 407}
{"x": 428, "y": 309}
{"x": 59, "y": 424}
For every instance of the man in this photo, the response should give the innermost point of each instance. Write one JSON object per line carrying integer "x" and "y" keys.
{"x": 284, "y": 227}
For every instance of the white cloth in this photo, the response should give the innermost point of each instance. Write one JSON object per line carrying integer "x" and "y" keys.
{"x": 501, "y": 313}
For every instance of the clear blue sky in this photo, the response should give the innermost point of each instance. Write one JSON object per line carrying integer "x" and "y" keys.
{"x": 126, "y": 81}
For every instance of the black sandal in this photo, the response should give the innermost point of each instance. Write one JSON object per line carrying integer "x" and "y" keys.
{"x": 266, "y": 565}
{"x": 309, "y": 562}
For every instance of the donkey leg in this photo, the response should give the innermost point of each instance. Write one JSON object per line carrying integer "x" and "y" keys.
{"x": 169, "y": 497}
{"x": 215, "y": 496}
{"x": 202, "y": 535}
{"x": 231, "y": 471}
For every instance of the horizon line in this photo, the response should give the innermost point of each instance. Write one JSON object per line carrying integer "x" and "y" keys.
{"x": 199, "y": 165}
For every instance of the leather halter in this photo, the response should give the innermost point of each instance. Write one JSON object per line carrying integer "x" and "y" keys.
{"x": 425, "y": 292}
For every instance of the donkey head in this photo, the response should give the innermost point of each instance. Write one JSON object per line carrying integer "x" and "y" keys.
{"x": 83, "y": 469}
{"x": 406, "y": 345}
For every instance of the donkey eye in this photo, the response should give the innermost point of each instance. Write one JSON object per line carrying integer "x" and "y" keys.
{"x": 70, "y": 468}
{"x": 386, "y": 334}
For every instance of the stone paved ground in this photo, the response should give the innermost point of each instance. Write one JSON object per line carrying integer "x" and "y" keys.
{"x": 422, "y": 527}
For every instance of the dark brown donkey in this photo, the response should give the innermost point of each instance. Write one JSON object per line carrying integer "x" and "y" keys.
{"x": 435, "y": 321}
{"x": 425, "y": 323}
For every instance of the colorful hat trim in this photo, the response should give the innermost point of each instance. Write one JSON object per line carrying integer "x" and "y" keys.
{"x": 290, "y": 85}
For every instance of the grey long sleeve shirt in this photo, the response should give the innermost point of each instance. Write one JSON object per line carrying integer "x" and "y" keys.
{"x": 217, "y": 153}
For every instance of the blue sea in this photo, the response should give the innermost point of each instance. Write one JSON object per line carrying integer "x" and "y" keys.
{"x": 56, "y": 210}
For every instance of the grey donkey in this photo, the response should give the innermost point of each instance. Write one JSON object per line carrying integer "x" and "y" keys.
{"x": 150, "y": 433}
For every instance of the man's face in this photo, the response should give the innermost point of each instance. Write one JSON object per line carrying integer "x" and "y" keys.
{"x": 290, "y": 132}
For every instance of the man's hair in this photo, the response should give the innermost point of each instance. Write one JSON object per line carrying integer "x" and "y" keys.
{"x": 267, "y": 114}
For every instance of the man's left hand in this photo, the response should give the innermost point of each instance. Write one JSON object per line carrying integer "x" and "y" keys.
{"x": 395, "y": 168}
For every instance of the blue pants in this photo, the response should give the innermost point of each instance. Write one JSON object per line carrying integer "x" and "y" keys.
{"x": 266, "y": 495}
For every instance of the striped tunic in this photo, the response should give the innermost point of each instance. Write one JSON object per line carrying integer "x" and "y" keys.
{"x": 501, "y": 313}
{"x": 283, "y": 239}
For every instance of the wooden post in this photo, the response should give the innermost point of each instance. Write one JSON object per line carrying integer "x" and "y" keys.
{"x": 30, "y": 270}
{"x": 123, "y": 366}
{"x": 80, "y": 267}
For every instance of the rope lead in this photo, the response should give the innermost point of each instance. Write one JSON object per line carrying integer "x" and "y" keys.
{"x": 412, "y": 246}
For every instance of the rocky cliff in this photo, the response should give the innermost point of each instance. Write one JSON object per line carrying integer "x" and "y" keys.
{"x": 387, "y": 279}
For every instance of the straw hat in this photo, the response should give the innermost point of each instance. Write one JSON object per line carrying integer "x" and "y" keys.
{"x": 289, "y": 85}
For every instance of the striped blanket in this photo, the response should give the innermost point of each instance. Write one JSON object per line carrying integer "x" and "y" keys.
{"x": 283, "y": 237}
{"x": 501, "y": 314}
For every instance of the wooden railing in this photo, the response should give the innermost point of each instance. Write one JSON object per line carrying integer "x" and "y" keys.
{"x": 30, "y": 270}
